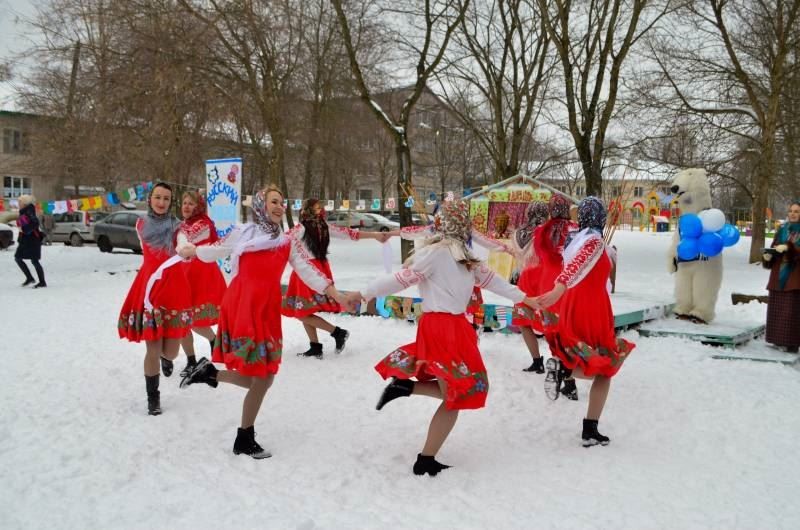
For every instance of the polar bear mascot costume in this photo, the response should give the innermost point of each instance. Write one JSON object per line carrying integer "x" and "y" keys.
{"x": 697, "y": 281}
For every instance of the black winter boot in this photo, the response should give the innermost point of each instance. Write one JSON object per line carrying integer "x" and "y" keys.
{"x": 202, "y": 372}
{"x": 395, "y": 389}
{"x": 569, "y": 390}
{"x": 553, "y": 379}
{"x": 340, "y": 336}
{"x": 166, "y": 367}
{"x": 428, "y": 464}
{"x": 315, "y": 350}
{"x": 246, "y": 444}
{"x": 536, "y": 366}
{"x": 153, "y": 395}
{"x": 191, "y": 362}
{"x": 591, "y": 436}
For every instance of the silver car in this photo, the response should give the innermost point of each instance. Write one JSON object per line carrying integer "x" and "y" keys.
{"x": 72, "y": 228}
{"x": 366, "y": 221}
{"x": 118, "y": 230}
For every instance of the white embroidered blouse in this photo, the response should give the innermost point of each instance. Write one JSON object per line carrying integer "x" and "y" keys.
{"x": 248, "y": 238}
{"x": 444, "y": 284}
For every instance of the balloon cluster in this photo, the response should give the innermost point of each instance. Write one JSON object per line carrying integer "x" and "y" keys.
{"x": 705, "y": 234}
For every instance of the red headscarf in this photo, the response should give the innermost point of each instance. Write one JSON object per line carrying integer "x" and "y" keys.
{"x": 199, "y": 220}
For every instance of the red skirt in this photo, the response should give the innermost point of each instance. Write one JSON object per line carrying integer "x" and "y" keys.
{"x": 447, "y": 349}
{"x": 301, "y": 300}
{"x": 208, "y": 288}
{"x": 582, "y": 335}
{"x": 171, "y": 316}
{"x": 249, "y": 336}
{"x": 529, "y": 283}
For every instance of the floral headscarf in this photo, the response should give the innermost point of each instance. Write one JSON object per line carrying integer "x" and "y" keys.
{"x": 535, "y": 214}
{"x": 592, "y": 214}
{"x": 158, "y": 230}
{"x": 453, "y": 229}
{"x": 199, "y": 218}
{"x": 262, "y": 220}
{"x": 316, "y": 235}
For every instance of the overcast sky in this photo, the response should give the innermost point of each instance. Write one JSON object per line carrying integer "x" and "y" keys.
{"x": 12, "y": 38}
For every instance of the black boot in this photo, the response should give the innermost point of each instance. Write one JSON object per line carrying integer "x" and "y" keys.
{"x": 40, "y": 284}
{"x": 166, "y": 367}
{"x": 153, "y": 395}
{"x": 340, "y": 336}
{"x": 536, "y": 366}
{"x": 314, "y": 351}
{"x": 202, "y": 372}
{"x": 427, "y": 464}
{"x": 28, "y": 281}
{"x": 246, "y": 444}
{"x": 191, "y": 362}
{"x": 569, "y": 390}
{"x": 553, "y": 379}
{"x": 591, "y": 436}
{"x": 395, "y": 389}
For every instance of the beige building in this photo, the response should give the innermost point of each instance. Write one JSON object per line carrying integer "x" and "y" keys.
{"x": 18, "y": 165}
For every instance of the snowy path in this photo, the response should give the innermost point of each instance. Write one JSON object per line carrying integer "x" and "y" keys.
{"x": 696, "y": 442}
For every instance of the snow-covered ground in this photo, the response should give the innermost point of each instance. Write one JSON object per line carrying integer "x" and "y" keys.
{"x": 696, "y": 442}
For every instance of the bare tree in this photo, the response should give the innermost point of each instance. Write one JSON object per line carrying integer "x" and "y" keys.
{"x": 437, "y": 20}
{"x": 495, "y": 76}
{"x": 593, "y": 39}
{"x": 728, "y": 62}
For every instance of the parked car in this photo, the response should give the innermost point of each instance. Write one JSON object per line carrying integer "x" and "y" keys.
{"x": 6, "y": 236}
{"x": 362, "y": 220}
{"x": 73, "y": 228}
{"x": 416, "y": 219}
{"x": 118, "y": 230}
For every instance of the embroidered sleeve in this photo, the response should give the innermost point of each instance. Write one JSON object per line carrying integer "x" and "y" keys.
{"x": 221, "y": 248}
{"x": 583, "y": 262}
{"x": 340, "y": 232}
{"x": 297, "y": 231}
{"x": 485, "y": 278}
{"x": 413, "y": 274}
{"x": 300, "y": 260}
{"x": 490, "y": 242}
{"x": 416, "y": 232}
{"x": 182, "y": 240}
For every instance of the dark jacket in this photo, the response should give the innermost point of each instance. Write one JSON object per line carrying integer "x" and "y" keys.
{"x": 30, "y": 237}
{"x": 792, "y": 254}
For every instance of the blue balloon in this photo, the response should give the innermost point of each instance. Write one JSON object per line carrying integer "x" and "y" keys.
{"x": 730, "y": 235}
{"x": 690, "y": 225}
{"x": 688, "y": 249}
{"x": 710, "y": 244}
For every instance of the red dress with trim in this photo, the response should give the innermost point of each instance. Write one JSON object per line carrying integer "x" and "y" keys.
{"x": 249, "y": 336}
{"x": 205, "y": 279}
{"x": 301, "y": 300}
{"x": 446, "y": 348}
{"x": 583, "y": 333}
{"x": 171, "y": 316}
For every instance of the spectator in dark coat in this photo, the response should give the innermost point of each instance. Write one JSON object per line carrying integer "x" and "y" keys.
{"x": 783, "y": 260}
{"x": 30, "y": 241}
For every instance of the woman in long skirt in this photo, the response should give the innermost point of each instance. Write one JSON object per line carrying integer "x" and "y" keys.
{"x": 783, "y": 308}
{"x": 583, "y": 338}
{"x": 249, "y": 337}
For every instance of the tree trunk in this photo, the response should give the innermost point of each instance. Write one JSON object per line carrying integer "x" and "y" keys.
{"x": 403, "y": 155}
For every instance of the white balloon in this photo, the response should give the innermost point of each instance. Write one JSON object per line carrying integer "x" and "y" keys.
{"x": 713, "y": 220}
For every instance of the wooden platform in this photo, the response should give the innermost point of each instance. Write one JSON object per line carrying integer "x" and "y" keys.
{"x": 760, "y": 352}
{"x": 729, "y": 334}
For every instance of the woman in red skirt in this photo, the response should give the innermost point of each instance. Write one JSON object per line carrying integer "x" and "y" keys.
{"x": 548, "y": 243}
{"x": 157, "y": 309}
{"x": 583, "y": 337}
{"x": 302, "y": 302}
{"x": 205, "y": 279}
{"x": 249, "y": 336}
{"x": 414, "y": 233}
{"x": 445, "y": 358}
{"x": 535, "y": 214}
